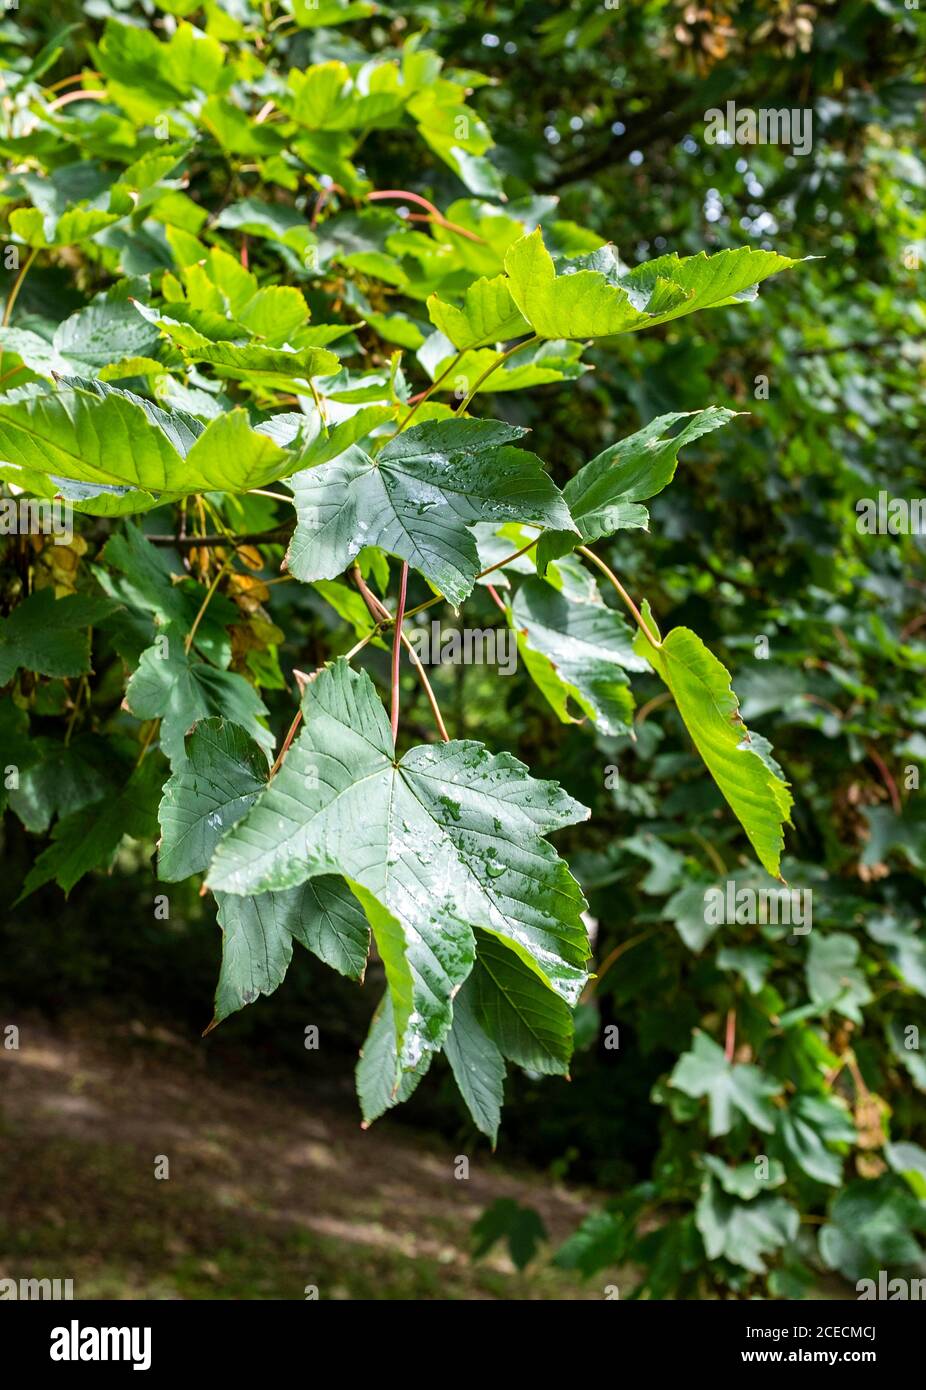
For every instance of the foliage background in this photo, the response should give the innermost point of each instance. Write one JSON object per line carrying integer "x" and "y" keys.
{"x": 757, "y": 537}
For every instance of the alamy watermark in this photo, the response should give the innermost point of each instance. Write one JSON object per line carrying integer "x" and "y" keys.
{"x": 32, "y": 1290}
{"x": 766, "y": 126}
{"x": 891, "y": 516}
{"x": 436, "y": 645}
{"x": 732, "y": 906}
{"x": 37, "y": 516}
{"x": 897, "y": 1289}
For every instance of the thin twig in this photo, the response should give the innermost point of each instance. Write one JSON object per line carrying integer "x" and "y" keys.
{"x": 612, "y": 577}
{"x": 397, "y": 651}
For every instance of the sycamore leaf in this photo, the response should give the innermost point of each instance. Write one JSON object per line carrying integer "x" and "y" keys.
{"x": 805, "y": 1129}
{"x": 77, "y": 224}
{"x": 488, "y": 315}
{"x": 90, "y": 837}
{"x": 529, "y": 1024}
{"x": 871, "y": 1229}
{"x": 378, "y": 1067}
{"x": 416, "y": 500}
{"x": 478, "y": 1066}
{"x": 223, "y": 773}
{"x": 577, "y": 649}
{"x": 744, "y": 772}
{"x": 113, "y": 441}
{"x": 444, "y": 840}
{"x": 175, "y": 687}
{"x": 835, "y": 980}
{"x": 744, "y": 1232}
{"x": 606, "y": 494}
{"x": 258, "y": 935}
{"x": 733, "y": 1091}
{"x": 538, "y": 365}
{"x": 50, "y": 636}
{"x": 594, "y": 298}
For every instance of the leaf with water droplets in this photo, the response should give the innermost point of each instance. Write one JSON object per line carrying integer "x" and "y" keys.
{"x": 417, "y": 500}
{"x": 415, "y": 838}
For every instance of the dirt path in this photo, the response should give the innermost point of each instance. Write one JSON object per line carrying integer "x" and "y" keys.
{"x": 267, "y": 1192}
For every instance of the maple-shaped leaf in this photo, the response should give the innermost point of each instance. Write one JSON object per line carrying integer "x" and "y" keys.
{"x": 606, "y": 495}
{"x": 741, "y": 764}
{"x": 172, "y": 685}
{"x": 417, "y": 498}
{"x": 443, "y": 840}
{"x": 594, "y": 297}
{"x": 744, "y": 1232}
{"x": 734, "y": 1090}
{"x": 577, "y": 650}
{"x": 488, "y": 314}
{"x": 50, "y": 636}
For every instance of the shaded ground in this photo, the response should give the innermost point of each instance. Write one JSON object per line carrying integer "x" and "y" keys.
{"x": 269, "y": 1190}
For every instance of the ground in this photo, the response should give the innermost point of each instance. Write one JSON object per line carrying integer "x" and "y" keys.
{"x": 269, "y": 1191}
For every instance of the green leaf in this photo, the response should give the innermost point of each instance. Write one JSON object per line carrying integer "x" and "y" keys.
{"x": 50, "y": 636}
{"x": 808, "y": 1125}
{"x": 258, "y": 935}
{"x": 606, "y": 494}
{"x": 594, "y": 298}
{"x": 91, "y": 836}
{"x": 56, "y": 778}
{"x": 224, "y": 771}
{"x": 520, "y": 1227}
{"x": 871, "y": 1228}
{"x": 744, "y": 1232}
{"x": 416, "y": 500}
{"x": 576, "y": 648}
{"x": 488, "y": 315}
{"x": 529, "y": 1023}
{"x": 700, "y": 686}
{"x": 909, "y": 1160}
{"x": 447, "y": 839}
{"x": 380, "y": 1082}
{"x": 746, "y": 1180}
{"x": 477, "y": 1065}
{"x": 173, "y": 686}
{"x": 733, "y": 1090}
{"x": 112, "y": 440}
{"x": 833, "y": 978}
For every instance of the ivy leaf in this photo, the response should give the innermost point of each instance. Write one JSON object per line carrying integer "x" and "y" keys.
{"x": 91, "y": 836}
{"x": 749, "y": 781}
{"x": 488, "y": 315}
{"x": 173, "y": 686}
{"x": 732, "y": 1090}
{"x": 446, "y": 839}
{"x": 606, "y": 494}
{"x": 50, "y": 636}
{"x": 744, "y": 1232}
{"x": 478, "y": 1066}
{"x": 416, "y": 500}
{"x": 576, "y": 648}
